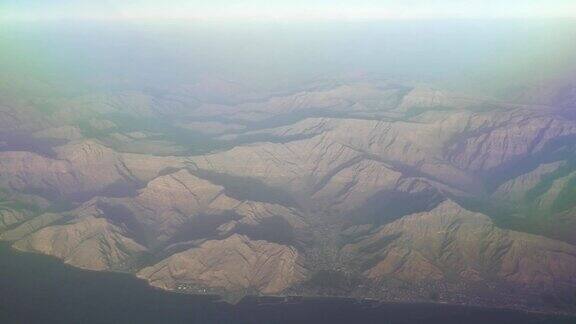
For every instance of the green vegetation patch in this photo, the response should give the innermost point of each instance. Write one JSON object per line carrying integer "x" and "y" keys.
{"x": 548, "y": 180}
{"x": 417, "y": 111}
{"x": 567, "y": 197}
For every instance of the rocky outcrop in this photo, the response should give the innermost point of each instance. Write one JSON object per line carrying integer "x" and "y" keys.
{"x": 232, "y": 264}
{"x": 78, "y": 169}
{"x": 181, "y": 206}
{"x": 89, "y": 243}
{"x": 11, "y": 216}
{"x": 340, "y": 148}
{"x": 30, "y": 226}
{"x": 516, "y": 189}
{"x": 520, "y": 138}
{"x": 168, "y": 202}
{"x": 450, "y": 242}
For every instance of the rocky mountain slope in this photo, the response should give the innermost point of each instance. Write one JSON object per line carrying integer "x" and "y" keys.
{"x": 357, "y": 188}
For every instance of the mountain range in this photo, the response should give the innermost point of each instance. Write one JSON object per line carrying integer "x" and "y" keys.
{"x": 366, "y": 188}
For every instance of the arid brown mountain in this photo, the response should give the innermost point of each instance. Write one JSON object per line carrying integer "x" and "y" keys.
{"x": 350, "y": 188}
{"x": 451, "y": 241}
{"x": 234, "y": 263}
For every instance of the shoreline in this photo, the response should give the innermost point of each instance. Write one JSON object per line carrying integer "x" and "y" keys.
{"x": 288, "y": 298}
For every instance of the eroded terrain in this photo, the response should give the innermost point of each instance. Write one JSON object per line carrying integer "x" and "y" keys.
{"x": 351, "y": 188}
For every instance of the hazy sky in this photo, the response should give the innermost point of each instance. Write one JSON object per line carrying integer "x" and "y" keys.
{"x": 283, "y": 9}
{"x": 495, "y": 53}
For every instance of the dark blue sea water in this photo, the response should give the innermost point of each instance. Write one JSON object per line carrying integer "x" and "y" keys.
{"x": 40, "y": 289}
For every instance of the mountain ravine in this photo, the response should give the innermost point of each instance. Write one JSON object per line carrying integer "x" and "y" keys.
{"x": 357, "y": 188}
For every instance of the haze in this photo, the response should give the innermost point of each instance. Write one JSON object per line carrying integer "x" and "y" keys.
{"x": 284, "y": 10}
{"x": 414, "y": 151}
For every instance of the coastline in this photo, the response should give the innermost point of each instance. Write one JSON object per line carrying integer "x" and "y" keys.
{"x": 281, "y": 300}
